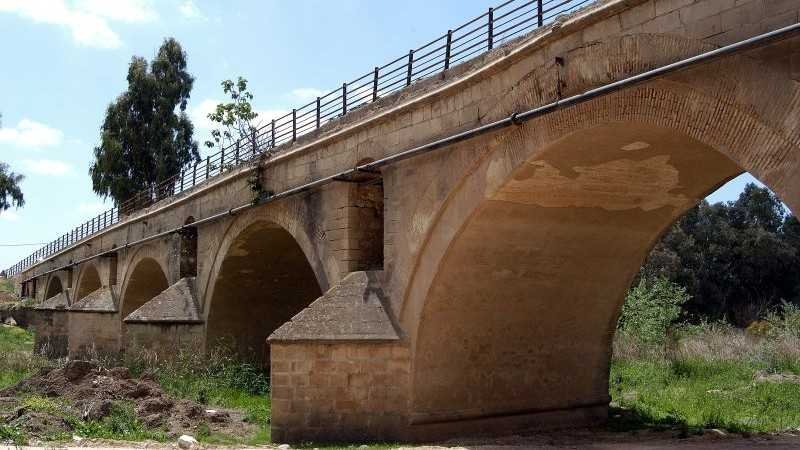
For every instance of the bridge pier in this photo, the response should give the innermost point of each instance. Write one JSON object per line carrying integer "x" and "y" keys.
{"x": 489, "y": 302}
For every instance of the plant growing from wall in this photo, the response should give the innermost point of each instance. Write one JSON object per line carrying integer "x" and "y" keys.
{"x": 236, "y": 118}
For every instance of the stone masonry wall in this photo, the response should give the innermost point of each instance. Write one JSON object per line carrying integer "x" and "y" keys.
{"x": 93, "y": 332}
{"x": 163, "y": 338}
{"x": 339, "y": 391}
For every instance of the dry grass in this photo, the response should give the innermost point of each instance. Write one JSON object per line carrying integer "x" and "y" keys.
{"x": 711, "y": 342}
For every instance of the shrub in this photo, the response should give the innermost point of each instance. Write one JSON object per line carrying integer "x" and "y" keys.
{"x": 784, "y": 321}
{"x": 650, "y": 308}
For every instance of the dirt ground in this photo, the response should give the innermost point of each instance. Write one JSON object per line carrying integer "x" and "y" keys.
{"x": 89, "y": 392}
{"x": 573, "y": 439}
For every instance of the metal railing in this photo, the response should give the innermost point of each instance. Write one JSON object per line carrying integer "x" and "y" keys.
{"x": 496, "y": 26}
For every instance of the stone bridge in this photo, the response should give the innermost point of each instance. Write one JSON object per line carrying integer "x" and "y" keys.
{"x": 471, "y": 289}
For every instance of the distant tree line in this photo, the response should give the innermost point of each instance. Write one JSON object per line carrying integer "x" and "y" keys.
{"x": 737, "y": 260}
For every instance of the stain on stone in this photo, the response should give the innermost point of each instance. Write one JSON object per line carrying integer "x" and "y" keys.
{"x": 638, "y": 145}
{"x": 615, "y": 185}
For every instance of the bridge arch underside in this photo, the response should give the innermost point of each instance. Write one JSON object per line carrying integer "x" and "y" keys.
{"x": 264, "y": 280}
{"x": 89, "y": 281}
{"x": 145, "y": 282}
{"x": 54, "y": 287}
{"x": 541, "y": 247}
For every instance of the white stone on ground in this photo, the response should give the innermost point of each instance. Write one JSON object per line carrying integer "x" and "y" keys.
{"x": 187, "y": 442}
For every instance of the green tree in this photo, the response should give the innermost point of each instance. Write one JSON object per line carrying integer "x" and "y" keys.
{"x": 737, "y": 259}
{"x": 235, "y": 117}
{"x": 650, "y": 307}
{"x": 146, "y": 136}
{"x": 10, "y": 192}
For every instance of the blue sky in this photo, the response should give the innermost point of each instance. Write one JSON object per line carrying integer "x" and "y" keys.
{"x": 65, "y": 60}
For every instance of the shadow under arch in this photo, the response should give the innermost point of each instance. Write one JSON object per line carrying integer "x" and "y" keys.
{"x": 54, "y": 287}
{"x": 264, "y": 278}
{"x": 146, "y": 280}
{"x": 88, "y": 282}
{"x": 526, "y": 295}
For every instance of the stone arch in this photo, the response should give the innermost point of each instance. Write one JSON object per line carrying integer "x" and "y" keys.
{"x": 523, "y": 269}
{"x": 54, "y": 287}
{"x": 145, "y": 277}
{"x": 263, "y": 274}
{"x": 88, "y": 281}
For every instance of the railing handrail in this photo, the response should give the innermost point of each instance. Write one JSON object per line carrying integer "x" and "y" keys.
{"x": 455, "y": 46}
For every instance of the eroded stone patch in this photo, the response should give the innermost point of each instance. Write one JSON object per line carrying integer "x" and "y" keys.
{"x": 615, "y": 185}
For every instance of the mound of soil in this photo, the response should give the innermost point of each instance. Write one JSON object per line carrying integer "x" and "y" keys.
{"x": 89, "y": 392}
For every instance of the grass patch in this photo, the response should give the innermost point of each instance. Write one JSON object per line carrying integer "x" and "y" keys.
{"x": 121, "y": 424}
{"x": 694, "y": 386}
{"x": 18, "y": 360}
{"x": 218, "y": 380}
{"x": 15, "y": 339}
{"x": 6, "y": 286}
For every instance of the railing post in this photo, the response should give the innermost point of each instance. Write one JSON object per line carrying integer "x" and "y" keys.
{"x": 253, "y": 141}
{"x": 294, "y": 124}
{"x": 236, "y": 155}
{"x": 273, "y": 133}
{"x": 447, "y": 49}
{"x": 491, "y": 29}
{"x": 194, "y": 174}
{"x": 318, "y": 103}
{"x": 539, "y": 16}
{"x": 409, "y": 67}
{"x": 222, "y": 158}
{"x": 375, "y": 85}
{"x": 105, "y": 213}
{"x": 344, "y": 98}
{"x": 208, "y": 166}
{"x": 182, "y": 175}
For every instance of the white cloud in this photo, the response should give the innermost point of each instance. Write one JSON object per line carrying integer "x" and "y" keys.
{"x": 266, "y": 115}
{"x": 92, "y": 209}
{"x": 199, "y": 114}
{"x": 29, "y": 133}
{"x": 305, "y": 95}
{"x": 190, "y": 11}
{"x": 46, "y": 166}
{"x": 87, "y": 20}
{"x": 128, "y": 11}
{"x": 9, "y": 215}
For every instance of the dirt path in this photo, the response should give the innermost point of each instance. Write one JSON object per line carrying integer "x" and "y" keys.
{"x": 581, "y": 440}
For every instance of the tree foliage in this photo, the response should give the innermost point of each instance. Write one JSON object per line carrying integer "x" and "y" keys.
{"x": 650, "y": 307}
{"x": 10, "y": 192}
{"x": 146, "y": 136}
{"x": 235, "y": 117}
{"x": 737, "y": 260}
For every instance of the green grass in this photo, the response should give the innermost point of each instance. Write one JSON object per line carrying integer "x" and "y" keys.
{"x": 218, "y": 380}
{"x": 216, "y": 392}
{"x": 15, "y": 339}
{"x": 121, "y": 424}
{"x": 6, "y": 286}
{"x": 18, "y": 361}
{"x": 695, "y": 393}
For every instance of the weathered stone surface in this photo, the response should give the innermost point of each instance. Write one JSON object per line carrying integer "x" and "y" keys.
{"x": 101, "y": 300}
{"x": 506, "y": 257}
{"x": 354, "y": 309}
{"x": 177, "y": 304}
{"x": 58, "y": 301}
